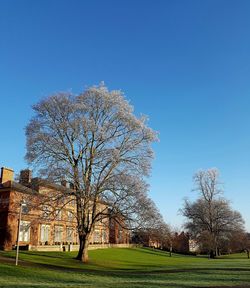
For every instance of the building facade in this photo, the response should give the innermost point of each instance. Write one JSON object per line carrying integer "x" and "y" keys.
{"x": 44, "y": 223}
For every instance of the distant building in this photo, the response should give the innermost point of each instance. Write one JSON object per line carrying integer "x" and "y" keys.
{"x": 180, "y": 242}
{"x": 44, "y": 224}
{"x": 149, "y": 238}
{"x": 193, "y": 246}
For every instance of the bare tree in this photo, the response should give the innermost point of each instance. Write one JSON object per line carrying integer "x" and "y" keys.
{"x": 237, "y": 241}
{"x": 210, "y": 218}
{"x": 94, "y": 141}
{"x": 153, "y": 230}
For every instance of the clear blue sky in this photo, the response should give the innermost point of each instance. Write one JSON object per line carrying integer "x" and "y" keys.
{"x": 186, "y": 64}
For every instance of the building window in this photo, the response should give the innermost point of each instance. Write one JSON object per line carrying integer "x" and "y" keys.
{"x": 97, "y": 236}
{"x": 120, "y": 235}
{"x": 58, "y": 214}
{"x": 46, "y": 212}
{"x": 104, "y": 236}
{"x": 58, "y": 234}
{"x": 69, "y": 234}
{"x": 24, "y": 231}
{"x": 45, "y": 230}
{"x": 25, "y": 208}
{"x": 70, "y": 216}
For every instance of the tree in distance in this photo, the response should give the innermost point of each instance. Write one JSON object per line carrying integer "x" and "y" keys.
{"x": 210, "y": 219}
{"x": 237, "y": 242}
{"x": 95, "y": 142}
{"x": 153, "y": 231}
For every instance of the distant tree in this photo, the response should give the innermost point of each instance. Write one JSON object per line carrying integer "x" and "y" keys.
{"x": 153, "y": 230}
{"x": 237, "y": 241}
{"x": 247, "y": 244}
{"x": 95, "y": 142}
{"x": 210, "y": 219}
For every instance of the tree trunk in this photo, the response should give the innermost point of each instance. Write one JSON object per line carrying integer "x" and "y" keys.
{"x": 85, "y": 255}
{"x": 170, "y": 251}
{"x": 211, "y": 254}
{"x": 83, "y": 249}
{"x": 216, "y": 251}
{"x": 80, "y": 251}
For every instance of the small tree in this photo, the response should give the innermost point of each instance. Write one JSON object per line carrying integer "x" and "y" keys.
{"x": 237, "y": 241}
{"x": 152, "y": 229}
{"x": 210, "y": 218}
{"x": 94, "y": 141}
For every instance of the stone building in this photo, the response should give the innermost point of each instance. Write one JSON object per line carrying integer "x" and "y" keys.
{"x": 45, "y": 224}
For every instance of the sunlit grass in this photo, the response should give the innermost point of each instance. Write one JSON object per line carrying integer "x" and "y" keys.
{"x": 124, "y": 268}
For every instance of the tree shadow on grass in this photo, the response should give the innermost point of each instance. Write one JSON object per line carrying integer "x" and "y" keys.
{"x": 131, "y": 278}
{"x": 124, "y": 272}
{"x": 132, "y": 284}
{"x": 42, "y": 254}
{"x": 154, "y": 252}
{"x": 128, "y": 279}
{"x": 107, "y": 270}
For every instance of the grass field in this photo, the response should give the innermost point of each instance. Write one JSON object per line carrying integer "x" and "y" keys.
{"x": 123, "y": 268}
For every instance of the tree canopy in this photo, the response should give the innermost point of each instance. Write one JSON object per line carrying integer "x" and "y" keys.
{"x": 95, "y": 142}
{"x": 210, "y": 219}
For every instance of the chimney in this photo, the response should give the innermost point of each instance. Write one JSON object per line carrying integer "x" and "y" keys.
{"x": 35, "y": 183}
{"x": 25, "y": 177}
{"x": 7, "y": 174}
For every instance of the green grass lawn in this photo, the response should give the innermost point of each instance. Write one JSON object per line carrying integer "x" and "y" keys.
{"x": 123, "y": 268}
